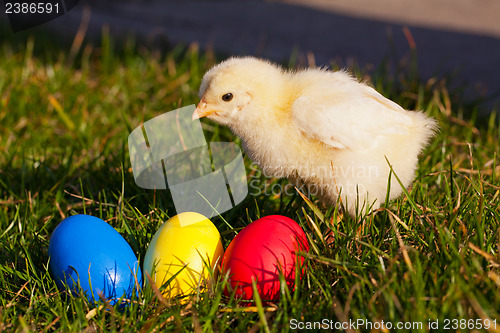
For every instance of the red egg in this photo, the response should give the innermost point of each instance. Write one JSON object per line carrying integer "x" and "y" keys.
{"x": 260, "y": 251}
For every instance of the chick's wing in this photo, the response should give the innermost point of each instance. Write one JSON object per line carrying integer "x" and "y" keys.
{"x": 354, "y": 118}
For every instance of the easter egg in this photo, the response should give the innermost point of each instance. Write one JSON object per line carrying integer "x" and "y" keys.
{"x": 260, "y": 252}
{"x": 181, "y": 252}
{"x": 84, "y": 250}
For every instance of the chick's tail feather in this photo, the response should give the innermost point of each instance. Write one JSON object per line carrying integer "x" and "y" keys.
{"x": 426, "y": 129}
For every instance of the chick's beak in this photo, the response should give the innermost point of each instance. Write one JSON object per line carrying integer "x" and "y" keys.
{"x": 201, "y": 110}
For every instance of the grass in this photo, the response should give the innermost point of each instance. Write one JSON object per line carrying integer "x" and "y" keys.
{"x": 432, "y": 254}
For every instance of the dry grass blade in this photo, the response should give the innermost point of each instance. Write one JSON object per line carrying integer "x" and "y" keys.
{"x": 493, "y": 327}
{"x": 494, "y": 277}
{"x": 157, "y": 291}
{"x": 491, "y": 258}
{"x": 196, "y": 322}
{"x": 92, "y": 313}
{"x": 341, "y": 315}
{"x": 314, "y": 226}
{"x": 80, "y": 34}
{"x": 397, "y": 219}
{"x": 248, "y": 309}
{"x": 17, "y": 294}
{"x": 402, "y": 245}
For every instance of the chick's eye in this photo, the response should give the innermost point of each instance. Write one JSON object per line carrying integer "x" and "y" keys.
{"x": 227, "y": 97}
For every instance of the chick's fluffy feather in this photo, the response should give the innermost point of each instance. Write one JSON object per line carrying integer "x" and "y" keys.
{"x": 318, "y": 128}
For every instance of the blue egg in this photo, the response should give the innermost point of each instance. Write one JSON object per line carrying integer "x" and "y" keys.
{"x": 86, "y": 250}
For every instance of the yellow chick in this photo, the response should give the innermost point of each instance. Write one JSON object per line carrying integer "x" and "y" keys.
{"x": 317, "y": 128}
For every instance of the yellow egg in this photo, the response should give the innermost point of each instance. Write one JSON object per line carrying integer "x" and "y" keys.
{"x": 181, "y": 249}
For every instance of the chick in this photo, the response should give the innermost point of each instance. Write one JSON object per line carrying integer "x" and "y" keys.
{"x": 318, "y": 128}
